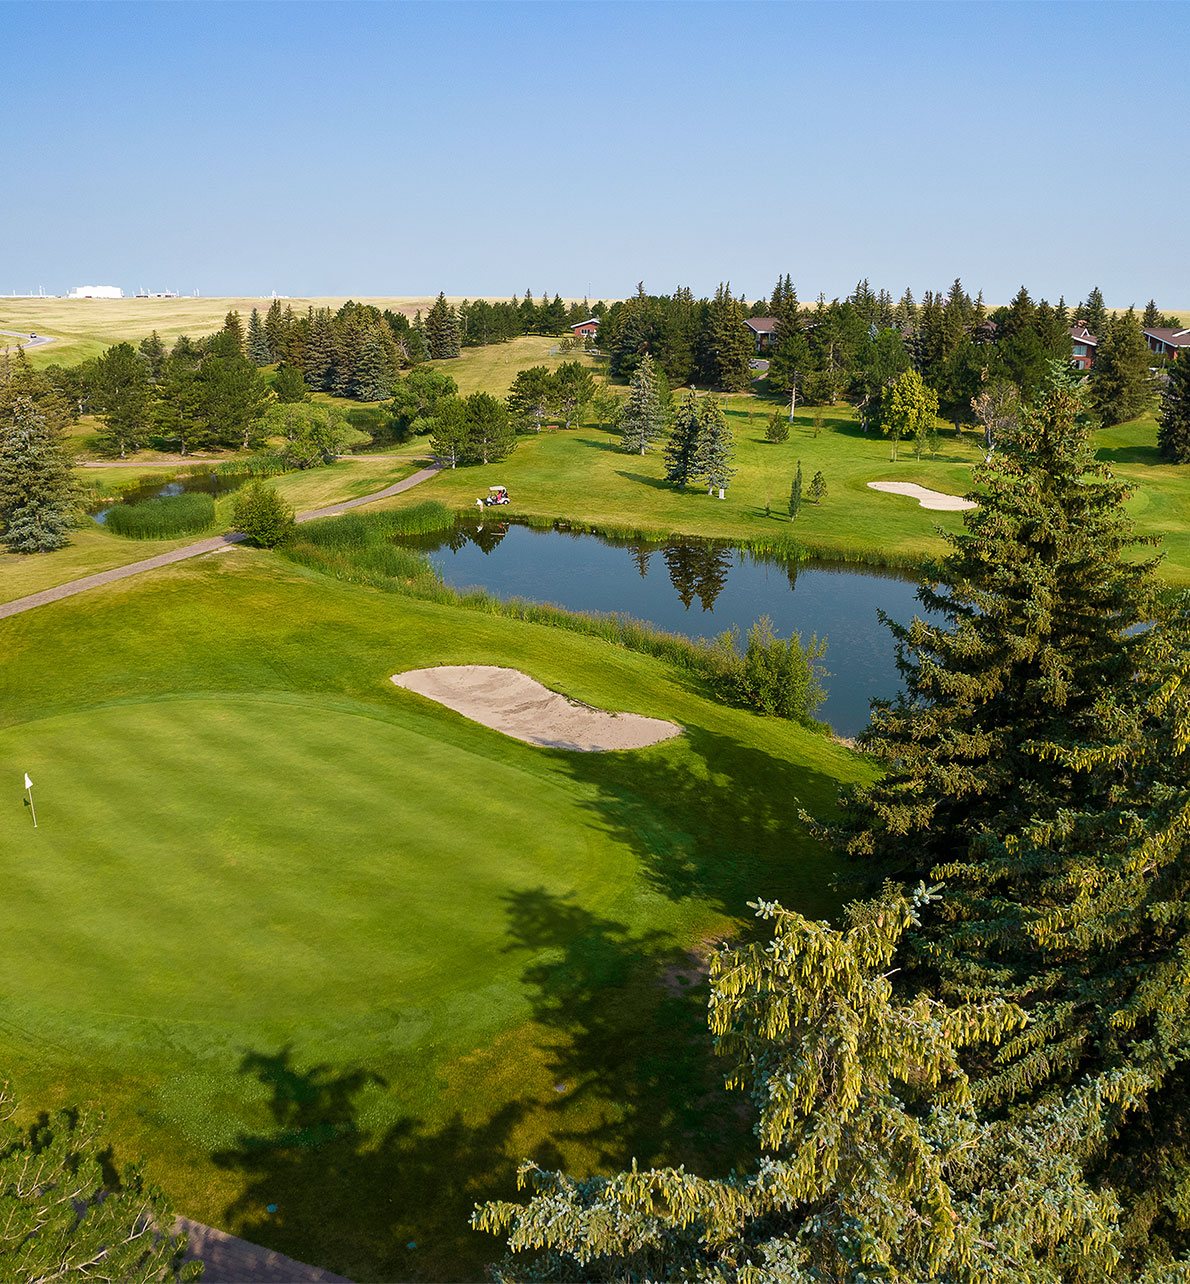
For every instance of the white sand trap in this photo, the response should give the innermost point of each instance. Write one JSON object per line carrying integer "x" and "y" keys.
{"x": 516, "y": 704}
{"x": 926, "y": 498}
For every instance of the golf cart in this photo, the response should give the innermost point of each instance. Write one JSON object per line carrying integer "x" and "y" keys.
{"x": 497, "y": 495}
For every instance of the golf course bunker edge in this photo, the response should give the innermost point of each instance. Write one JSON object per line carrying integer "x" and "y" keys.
{"x": 519, "y": 706}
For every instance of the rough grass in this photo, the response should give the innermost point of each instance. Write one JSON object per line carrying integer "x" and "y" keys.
{"x": 318, "y": 943}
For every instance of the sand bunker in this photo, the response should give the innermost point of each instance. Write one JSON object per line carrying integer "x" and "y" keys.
{"x": 926, "y": 498}
{"x": 512, "y": 702}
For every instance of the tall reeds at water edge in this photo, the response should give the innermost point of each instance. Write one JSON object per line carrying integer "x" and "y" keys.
{"x": 164, "y": 518}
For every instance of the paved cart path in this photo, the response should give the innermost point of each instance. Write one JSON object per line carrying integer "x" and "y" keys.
{"x": 197, "y": 549}
{"x": 26, "y": 341}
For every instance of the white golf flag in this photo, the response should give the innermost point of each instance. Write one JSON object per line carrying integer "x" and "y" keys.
{"x": 28, "y": 782}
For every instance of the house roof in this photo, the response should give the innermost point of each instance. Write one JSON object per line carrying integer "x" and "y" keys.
{"x": 762, "y": 325}
{"x": 1080, "y": 334}
{"x": 589, "y": 321}
{"x": 1175, "y": 338}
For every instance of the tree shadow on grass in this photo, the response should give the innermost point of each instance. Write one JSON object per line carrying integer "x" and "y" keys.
{"x": 619, "y": 1066}
{"x": 1149, "y": 455}
{"x": 657, "y": 483}
{"x": 718, "y": 822}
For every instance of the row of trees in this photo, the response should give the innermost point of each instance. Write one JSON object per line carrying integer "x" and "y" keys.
{"x": 981, "y": 1076}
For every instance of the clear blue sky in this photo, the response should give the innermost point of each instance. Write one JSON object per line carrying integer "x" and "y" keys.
{"x": 402, "y": 149}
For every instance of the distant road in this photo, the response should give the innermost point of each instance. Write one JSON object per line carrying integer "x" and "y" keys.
{"x": 26, "y": 341}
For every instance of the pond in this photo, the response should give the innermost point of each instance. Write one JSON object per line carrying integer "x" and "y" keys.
{"x": 699, "y": 588}
{"x": 205, "y": 481}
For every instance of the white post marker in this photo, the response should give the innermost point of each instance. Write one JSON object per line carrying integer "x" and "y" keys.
{"x": 29, "y": 791}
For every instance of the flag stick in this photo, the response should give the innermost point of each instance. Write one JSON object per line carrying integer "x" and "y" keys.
{"x": 29, "y": 791}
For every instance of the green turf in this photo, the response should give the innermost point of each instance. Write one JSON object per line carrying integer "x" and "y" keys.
{"x": 315, "y": 941}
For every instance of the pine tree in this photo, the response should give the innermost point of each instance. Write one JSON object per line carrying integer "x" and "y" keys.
{"x": 442, "y": 330}
{"x": 1173, "y": 423}
{"x": 451, "y": 433}
{"x": 233, "y": 334}
{"x": 778, "y": 428}
{"x": 795, "y": 493}
{"x": 817, "y": 492}
{"x": 373, "y": 372}
{"x": 1151, "y": 315}
{"x": 643, "y": 416}
{"x": 1037, "y": 767}
{"x": 726, "y": 347}
{"x": 491, "y": 435}
{"x": 37, "y": 492}
{"x": 533, "y": 397}
{"x": 1092, "y": 313}
{"x": 276, "y": 332}
{"x": 714, "y": 452}
{"x": 258, "y": 343}
{"x": 682, "y": 446}
{"x": 1121, "y": 385}
{"x": 122, "y": 396}
{"x": 289, "y": 386}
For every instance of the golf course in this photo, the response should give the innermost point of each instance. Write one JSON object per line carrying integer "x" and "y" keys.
{"x": 334, "y": 958}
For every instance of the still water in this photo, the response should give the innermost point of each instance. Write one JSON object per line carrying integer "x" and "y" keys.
{"x": 206, "y": 482}
{"x": 698, "y": 588}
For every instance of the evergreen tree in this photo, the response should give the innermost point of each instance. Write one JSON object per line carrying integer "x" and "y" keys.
{"x": 726, "y": 346}
{"x": 122, "y": 396}
{"x": 817, "y": 492}
{"x": 714, "y": 450}
{"x": 643, "y": 416}
{"x": 37, "y": 492}
{"x": 795, "y": 493}
{"x": 276, "y": 332}
{"x": 1173, "y": 423}
{"x": 373, "y": 372}
{"x": 233, "y": 333}
{"x": 1092, "y": 313}
{"x": 153, "y": 353}
{"x": 1121, "y": 385}
{"x": 442, "y": 330}
{"x": 289, "y": 387}
{"x": 320, "y": 351}
{"x": 1151, "y": 315}
{"x": 258, "y": 343}
{"x": 682, "y": 446}
{"x": 778, "y": 428}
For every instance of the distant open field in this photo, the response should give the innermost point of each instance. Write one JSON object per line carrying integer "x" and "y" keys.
{"x": 83, "y": 328}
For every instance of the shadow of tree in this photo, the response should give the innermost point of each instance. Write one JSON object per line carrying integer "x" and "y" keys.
{"x": 718, "y": 822}
{"x": 1131, "y": 455}
{"x": 657, "y": 483}
{"x": 627, "y": 1071}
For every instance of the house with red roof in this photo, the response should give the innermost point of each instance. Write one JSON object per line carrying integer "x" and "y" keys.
{"x": 1166, "y": 342}
{"x": 1083, "y": 345}
{"x": 589, "y": 327}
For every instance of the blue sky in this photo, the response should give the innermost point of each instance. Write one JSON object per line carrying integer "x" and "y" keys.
{"x": 402, "y": 149}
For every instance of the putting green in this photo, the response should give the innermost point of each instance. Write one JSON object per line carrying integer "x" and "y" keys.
{"x": 239, "y": 870}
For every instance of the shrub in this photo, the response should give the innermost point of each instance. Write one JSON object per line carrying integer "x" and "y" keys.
{"x": 782, "y": 679}
{"x": 263, "y": 515}
{"x": 164, "y": 518}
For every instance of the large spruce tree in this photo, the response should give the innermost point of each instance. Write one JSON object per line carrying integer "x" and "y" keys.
{"x": 38, "y": 500}
{"x": 643, "y": 416}
{"x": 1035, "y": 767}
{"x": 1173, "y": 430}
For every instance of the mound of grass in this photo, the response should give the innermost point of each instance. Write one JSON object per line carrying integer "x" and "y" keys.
{"x": 166, "y": 517}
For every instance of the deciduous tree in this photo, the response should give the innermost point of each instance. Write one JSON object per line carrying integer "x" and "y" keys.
{"x": 263, "y": 515}
{"x": 533, "y": 397}
{"x": 574, "y": 389}
{"x": 910, "y": 409}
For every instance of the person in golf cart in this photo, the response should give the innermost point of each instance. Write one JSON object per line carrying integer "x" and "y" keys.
{"x": 497, "y": 495}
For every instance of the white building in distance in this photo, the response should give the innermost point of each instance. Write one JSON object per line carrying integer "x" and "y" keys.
{"x": 96, "y": 292}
